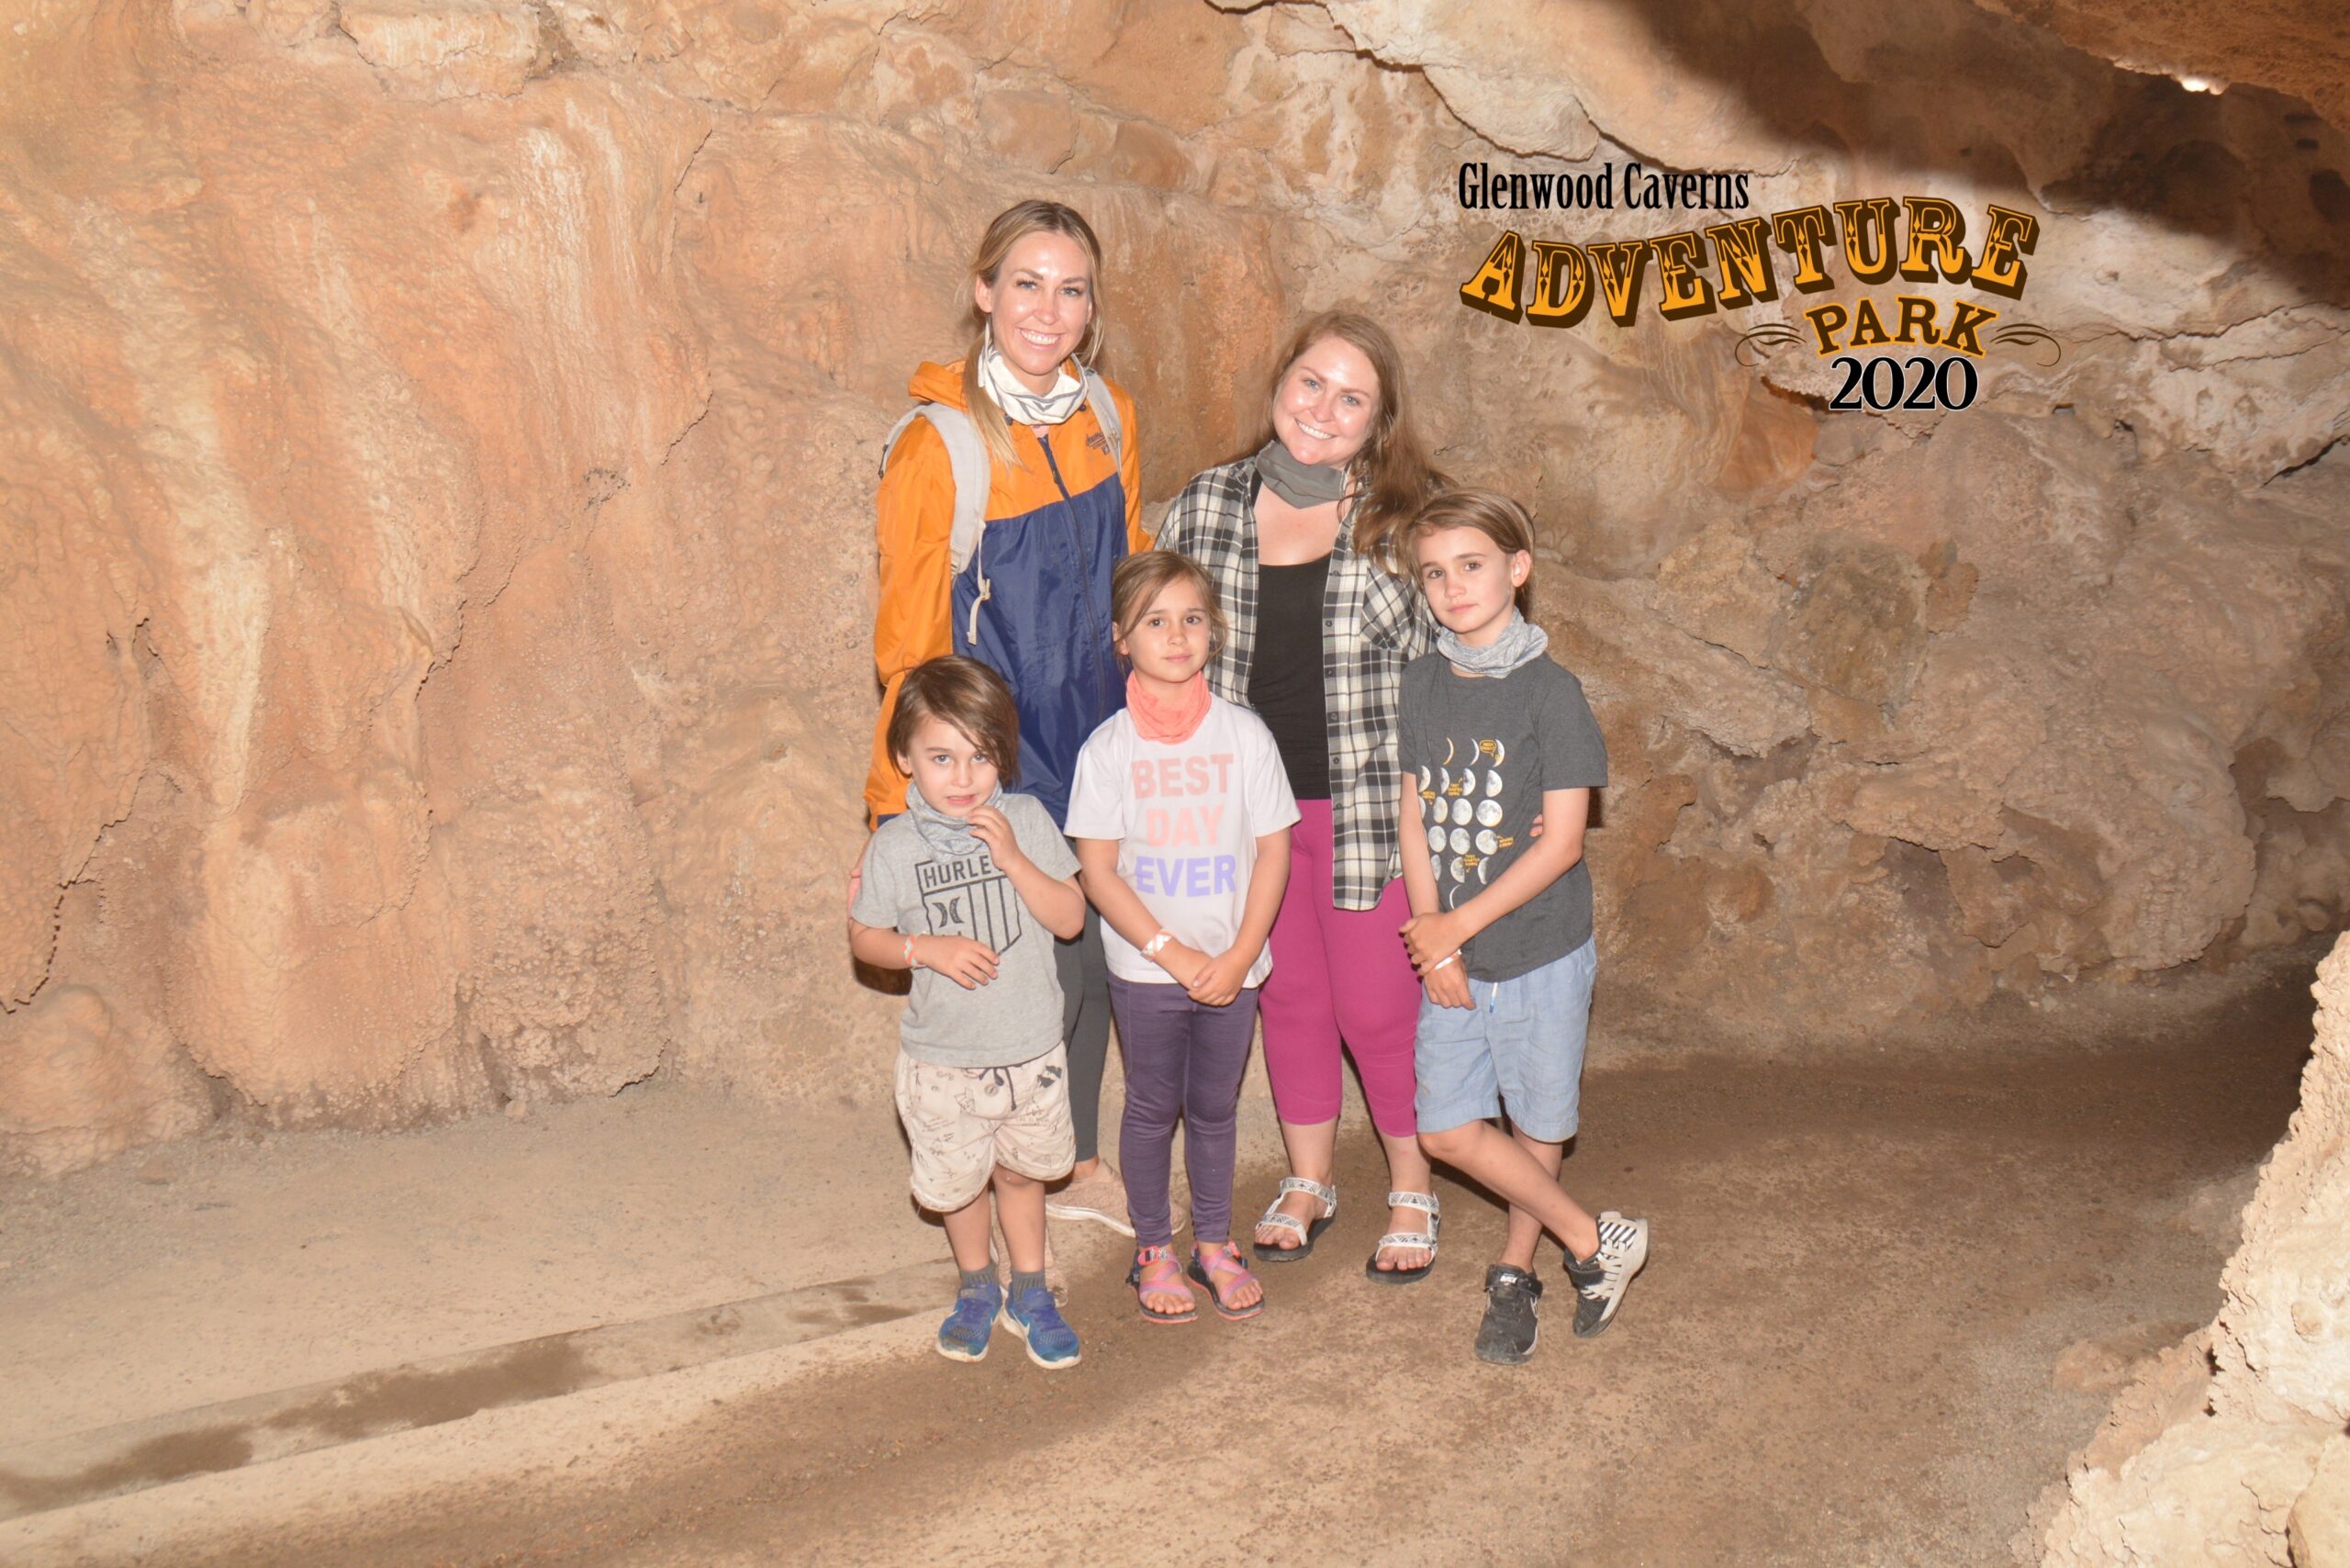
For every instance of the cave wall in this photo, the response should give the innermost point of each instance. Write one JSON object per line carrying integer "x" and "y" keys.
{"x": 438, "y": 438}
{"x": 2234, "y": 1447}
{"x": 1957, "y": 702}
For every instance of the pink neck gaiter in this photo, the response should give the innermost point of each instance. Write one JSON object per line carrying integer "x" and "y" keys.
{"x": 1168, "y": 719}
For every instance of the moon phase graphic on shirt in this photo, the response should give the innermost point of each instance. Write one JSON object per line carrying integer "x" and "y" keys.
{"x": 1461, "y": 859}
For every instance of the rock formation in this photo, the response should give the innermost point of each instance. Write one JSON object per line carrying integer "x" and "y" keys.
{"x": 438, "y": 438}
{"x": 2236, "y": 1447}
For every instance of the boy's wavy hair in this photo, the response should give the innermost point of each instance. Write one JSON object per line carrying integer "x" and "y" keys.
{"x": 1140, "y": 577}
{"x": 1489, "y": 512}
{"x": 967, "y": 695}
{"x": 1013, "y": 224}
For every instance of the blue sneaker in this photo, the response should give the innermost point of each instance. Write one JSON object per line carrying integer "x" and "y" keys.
{"x": 1036, "y": 1317}
{"x": 963, "y": 1335}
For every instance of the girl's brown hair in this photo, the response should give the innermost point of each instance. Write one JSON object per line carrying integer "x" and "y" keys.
{"x": 967, "y": 695}
{"x": 1393, "y": 476}
{"x": 1014, "y": 224}
{"x": 1489, "y": 512}
{"x": 1139, "y": 577}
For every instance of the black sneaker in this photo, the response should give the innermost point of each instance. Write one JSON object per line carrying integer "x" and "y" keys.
{"x": 1510, "y": 1328}
{"x": 1599, "y": 1280}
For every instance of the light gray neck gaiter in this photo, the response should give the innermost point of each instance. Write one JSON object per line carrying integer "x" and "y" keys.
{"x": 1520, "y": 644}
{"x": 948, "y": 835}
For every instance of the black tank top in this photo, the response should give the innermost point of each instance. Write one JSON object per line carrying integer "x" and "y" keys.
{"x": 1285, "y": 672}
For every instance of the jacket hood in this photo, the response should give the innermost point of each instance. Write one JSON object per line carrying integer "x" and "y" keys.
{"x": 937, "y": 383}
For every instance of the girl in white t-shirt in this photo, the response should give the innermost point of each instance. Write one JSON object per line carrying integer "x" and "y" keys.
{"x": 1182, "y": 815}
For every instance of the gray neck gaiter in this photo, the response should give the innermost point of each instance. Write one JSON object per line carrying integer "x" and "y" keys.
{"x": 1521, "y": 643}
{"x": 948, "y": 835}
{"x": 1302, "y": 485}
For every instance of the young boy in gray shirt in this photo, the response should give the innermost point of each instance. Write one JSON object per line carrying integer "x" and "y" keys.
{"x": 968, "y": 887}
{"x": 1493, "y": 734}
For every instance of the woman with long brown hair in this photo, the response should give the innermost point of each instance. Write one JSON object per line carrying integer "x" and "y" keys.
{"x": 1301, "y": 537}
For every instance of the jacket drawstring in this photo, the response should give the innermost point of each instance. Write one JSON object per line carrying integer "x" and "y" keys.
{"x": 986, "y": 590}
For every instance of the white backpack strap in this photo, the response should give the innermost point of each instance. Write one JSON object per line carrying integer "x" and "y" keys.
{"x": 967, "y": 463}
{"x": 1105, "y": 413}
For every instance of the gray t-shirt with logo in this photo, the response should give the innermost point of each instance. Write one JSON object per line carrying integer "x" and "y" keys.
{"x": 1483, "y": 751}
{"x": 913, "y": 888}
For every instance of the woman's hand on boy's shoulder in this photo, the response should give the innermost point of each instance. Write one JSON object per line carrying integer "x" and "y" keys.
{"x": 993, "y": 828}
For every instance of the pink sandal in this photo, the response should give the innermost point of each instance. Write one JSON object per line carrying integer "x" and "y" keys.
{"x": 1157, "y": 1272}
{"x": 1219, "y": 1267}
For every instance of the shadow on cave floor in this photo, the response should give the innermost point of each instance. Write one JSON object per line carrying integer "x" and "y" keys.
{"x": 1843, "y": 1350}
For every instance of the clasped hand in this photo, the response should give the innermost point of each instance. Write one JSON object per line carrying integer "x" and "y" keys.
{"x": 1210, "y": 981}
{"x": 1431, "y": 939}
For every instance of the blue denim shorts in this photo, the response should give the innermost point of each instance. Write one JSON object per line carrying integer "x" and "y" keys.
{"x": 1519, "y": 1049}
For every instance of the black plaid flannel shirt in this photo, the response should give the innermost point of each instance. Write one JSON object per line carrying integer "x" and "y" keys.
{"x": 1373, "y": 625}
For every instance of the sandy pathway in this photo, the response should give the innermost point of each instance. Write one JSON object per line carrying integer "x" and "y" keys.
{"x": 1842, "y": 1352}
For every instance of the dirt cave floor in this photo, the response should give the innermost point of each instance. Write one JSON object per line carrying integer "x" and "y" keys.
{"x": 1886, "y": 1297}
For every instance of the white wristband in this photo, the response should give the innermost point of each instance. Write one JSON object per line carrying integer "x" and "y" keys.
{"x": 1150, "y": 948}
{"x": 910, "y": 953}
{"x": 1446, "y": 959}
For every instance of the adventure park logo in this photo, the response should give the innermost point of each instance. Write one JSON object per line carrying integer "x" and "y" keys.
{"x": 1700, "y": 272}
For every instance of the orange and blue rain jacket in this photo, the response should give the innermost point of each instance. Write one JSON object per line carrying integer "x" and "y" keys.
{"x": 1058, "y": 526}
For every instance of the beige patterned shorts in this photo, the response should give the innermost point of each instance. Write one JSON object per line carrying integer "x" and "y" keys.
{"x": 963, "y": 1122}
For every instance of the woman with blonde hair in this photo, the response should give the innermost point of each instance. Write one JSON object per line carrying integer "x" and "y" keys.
{"x": 1301, "y": 539}
{"x": 1008, "y": 497}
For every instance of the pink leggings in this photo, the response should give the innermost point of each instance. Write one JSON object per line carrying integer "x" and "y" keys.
{"x": 1338, "y": 971}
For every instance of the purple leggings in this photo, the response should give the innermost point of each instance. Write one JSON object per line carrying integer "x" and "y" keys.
{"x": 1338, "y": 972}
{"x": 1184, "y": 1058}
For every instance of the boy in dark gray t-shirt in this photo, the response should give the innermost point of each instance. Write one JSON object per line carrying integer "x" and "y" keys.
{"x": 1484, "y": 751}
{"x": 1493, "y": 734}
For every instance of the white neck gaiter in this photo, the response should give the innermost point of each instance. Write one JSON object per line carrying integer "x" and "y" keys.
{"x": 1021, "y": 405}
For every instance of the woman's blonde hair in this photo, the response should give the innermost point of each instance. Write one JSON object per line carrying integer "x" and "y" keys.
{"x": 1393, "y": 476}
{"x": 1138, "y": 580}
{"x": 1489, "y": 512}
{"x": 1014, "y": 224}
